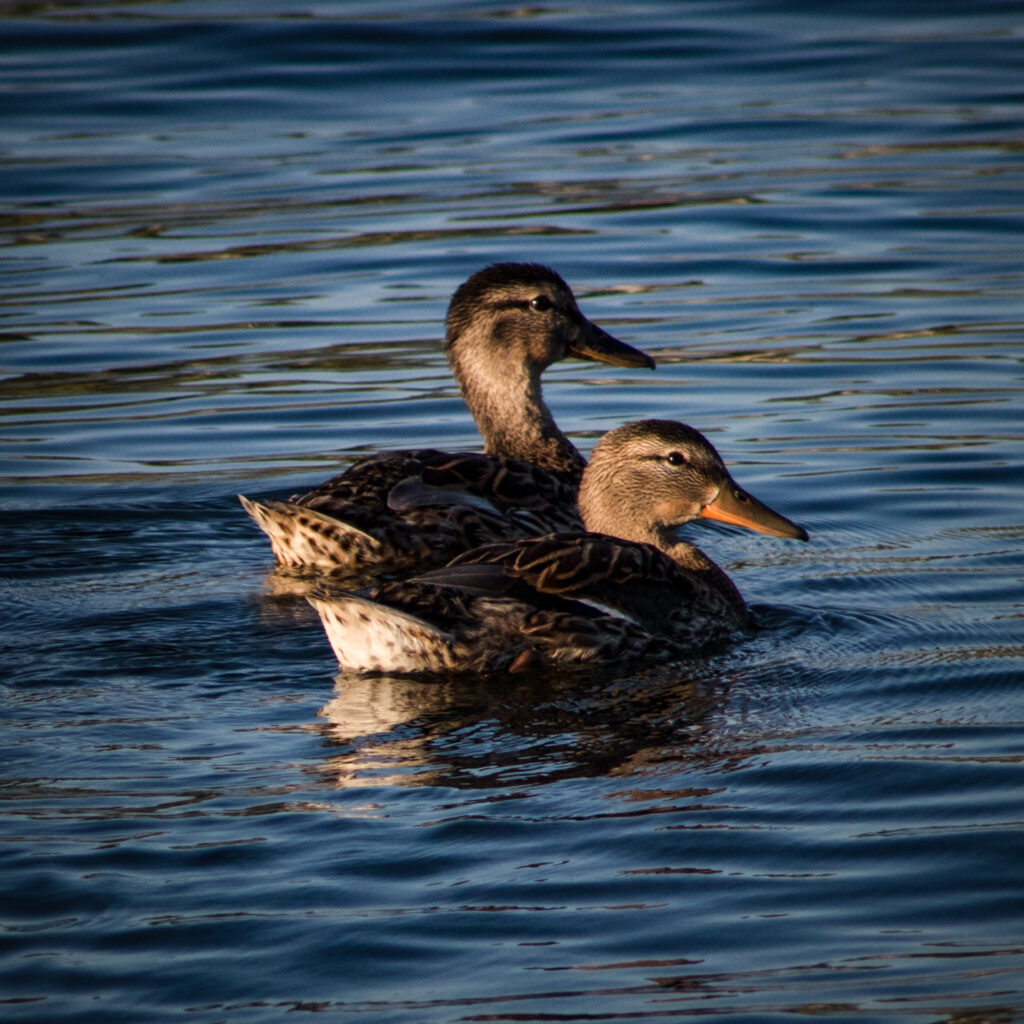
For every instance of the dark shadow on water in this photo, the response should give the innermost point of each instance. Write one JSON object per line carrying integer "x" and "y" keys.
{"x": 480, "y": 733}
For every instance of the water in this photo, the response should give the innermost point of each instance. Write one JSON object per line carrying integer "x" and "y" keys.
{"x": 229, "y": 234}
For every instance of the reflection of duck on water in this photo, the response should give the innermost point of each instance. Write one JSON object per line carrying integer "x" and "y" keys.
{"x": 628, "y": 589}
{"x": 477, "y": 732}
{"x": 505, "y": 326}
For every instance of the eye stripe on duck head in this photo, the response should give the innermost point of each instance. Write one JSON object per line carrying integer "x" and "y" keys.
{"x": 541, "y": 303}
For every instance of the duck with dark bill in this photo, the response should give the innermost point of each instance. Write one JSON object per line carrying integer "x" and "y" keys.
{"x": 505, "y": 326}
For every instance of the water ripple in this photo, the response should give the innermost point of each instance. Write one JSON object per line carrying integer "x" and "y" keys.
{"x": 227, "y": 247}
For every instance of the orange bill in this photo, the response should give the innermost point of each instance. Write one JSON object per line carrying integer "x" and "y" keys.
{"x": 734, "y": 505}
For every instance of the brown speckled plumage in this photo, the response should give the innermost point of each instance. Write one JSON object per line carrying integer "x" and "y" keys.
{"x": 572, "y": 598}
{"x": 506, "y": 324}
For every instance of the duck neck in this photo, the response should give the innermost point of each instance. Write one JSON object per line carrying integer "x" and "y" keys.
{"x": 504, "y": 396}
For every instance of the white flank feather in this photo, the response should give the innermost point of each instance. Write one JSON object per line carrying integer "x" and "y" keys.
{"x": 370, "y": 637}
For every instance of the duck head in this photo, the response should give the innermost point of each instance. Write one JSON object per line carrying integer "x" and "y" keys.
{"x": 645, "y": 479}
{"x": 506, "y": 325}
{"x": 529, "y": 313}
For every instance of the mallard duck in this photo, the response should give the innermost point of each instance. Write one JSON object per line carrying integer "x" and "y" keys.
{"x": 627, "y": 588}
{"x": 506, "y": 324}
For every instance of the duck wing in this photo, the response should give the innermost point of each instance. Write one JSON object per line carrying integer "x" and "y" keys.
{"x": 610, "y": 576}
{"x": 366, "y": 482}
{"x": 419, "y": 507}
{"x": 492, "y": 482}
{"x": 361, "y": 540}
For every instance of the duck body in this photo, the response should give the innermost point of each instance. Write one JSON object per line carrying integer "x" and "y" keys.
{"x": 630, "y": 591}
{"x": 535, "y": 602}
{"x": 415, "y": 509}
{"x": 420, "y": 507}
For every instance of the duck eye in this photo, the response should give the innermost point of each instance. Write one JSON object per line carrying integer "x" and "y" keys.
{"x": 675, "y": 459}
{"x": 541, "y": 303}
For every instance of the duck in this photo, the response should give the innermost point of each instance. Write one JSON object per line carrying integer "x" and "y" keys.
{"x": 419, "y": 508}
{"x": 626, "y": 588}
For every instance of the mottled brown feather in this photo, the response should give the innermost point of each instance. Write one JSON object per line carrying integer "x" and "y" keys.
{"x": 498, "y": 345}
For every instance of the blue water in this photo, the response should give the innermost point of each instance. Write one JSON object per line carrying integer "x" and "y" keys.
{"x": 228, "y": 234}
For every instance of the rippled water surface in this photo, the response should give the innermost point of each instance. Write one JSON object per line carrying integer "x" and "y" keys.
{"x": 228, "y": 234}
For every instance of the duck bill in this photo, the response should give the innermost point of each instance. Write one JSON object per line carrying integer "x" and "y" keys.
{"x": 734, "y": 505}
{"x": 591, "y": 342}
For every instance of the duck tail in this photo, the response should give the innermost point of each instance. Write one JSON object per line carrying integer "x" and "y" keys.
{"x": 302, "y": 536}
{"x": 370, "y": 637}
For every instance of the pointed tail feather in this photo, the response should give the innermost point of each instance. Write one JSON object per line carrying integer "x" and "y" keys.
{"x": 370, "y": 637}
{"x": 302, "y": 536}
